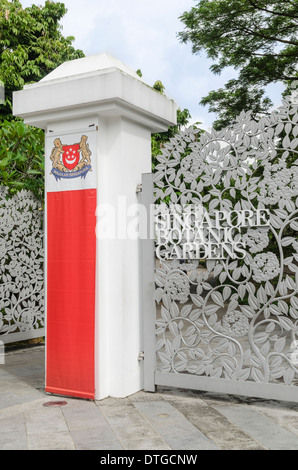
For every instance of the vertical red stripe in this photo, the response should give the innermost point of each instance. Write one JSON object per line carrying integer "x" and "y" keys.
{"x": 71, "y": 258}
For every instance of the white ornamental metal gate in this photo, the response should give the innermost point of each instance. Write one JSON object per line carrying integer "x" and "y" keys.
{"x": 21, "y": 267}
{"x": 222, "y": 312}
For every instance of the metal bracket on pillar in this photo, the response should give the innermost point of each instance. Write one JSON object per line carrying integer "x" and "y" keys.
{"x": 141, "y": 356}
{"x": 139, "y": 188}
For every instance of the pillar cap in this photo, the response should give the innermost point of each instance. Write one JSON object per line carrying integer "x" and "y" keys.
{"x": 97, "y": 85}
{"x": 87, "y": 65}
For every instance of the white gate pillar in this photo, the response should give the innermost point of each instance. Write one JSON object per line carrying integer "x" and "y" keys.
{"x": 101, "y": 92}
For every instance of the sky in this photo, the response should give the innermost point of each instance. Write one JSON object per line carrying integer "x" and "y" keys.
{"x": 143, "y": 35}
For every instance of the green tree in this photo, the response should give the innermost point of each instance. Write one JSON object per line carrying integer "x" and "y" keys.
{"x": 22, "y": 157}
{"x": 159, "y": 139}
{"x": 228, "y": 102}
{"x": 256, "y": 37}
{"x": 31, "y": 45}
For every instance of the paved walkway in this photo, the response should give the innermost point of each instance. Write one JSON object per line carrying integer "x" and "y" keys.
{"x": 166, "y": 420}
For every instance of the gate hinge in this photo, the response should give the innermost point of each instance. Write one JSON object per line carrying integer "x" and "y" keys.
{"x": 141, "y": 356}
{"x": 139, "y": 188}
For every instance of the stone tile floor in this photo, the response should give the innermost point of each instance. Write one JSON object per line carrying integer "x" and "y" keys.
{"x": 169, "y": 419}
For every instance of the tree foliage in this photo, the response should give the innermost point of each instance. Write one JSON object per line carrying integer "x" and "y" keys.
{"x": 159, "y": 139}
{"x": 31, "y": 45}
{"x": 21, "y": 157}
{"x": 256, "y": 37}
{"x": 229, "y": 101}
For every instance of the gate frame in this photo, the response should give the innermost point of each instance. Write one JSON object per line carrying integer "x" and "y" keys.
{"x": 154, "y": 378}
{"x": 147, "y": 287}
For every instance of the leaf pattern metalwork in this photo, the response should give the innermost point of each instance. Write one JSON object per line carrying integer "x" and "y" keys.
{"x": 21, "y": 264}
{"x": 234, "y": 319}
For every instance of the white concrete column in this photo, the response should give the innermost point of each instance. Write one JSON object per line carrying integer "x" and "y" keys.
{"x": 102, "y": 91}
{"x": 123, "y": 160}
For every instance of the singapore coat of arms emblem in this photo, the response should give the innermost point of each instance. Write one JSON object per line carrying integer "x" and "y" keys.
{"x": 71, "y": 161}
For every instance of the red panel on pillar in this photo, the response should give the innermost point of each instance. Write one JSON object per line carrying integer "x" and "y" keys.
{"x": 71, "y": 260}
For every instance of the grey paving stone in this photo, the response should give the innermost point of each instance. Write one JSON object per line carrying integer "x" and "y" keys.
{"x": 145, "y": 444}
{"x": 234, "y": 439}
{"x": 16, "y": 396}
{"x": 121, "y": 414}
{"x": 194, "y": 441}
{"x": 51, "y": 441}
{"x": 44, "y": 420}
{"x": 81, "y": 414}
{"x": 169, "y": 419}
{"x": 94, "y": 437}
{"x": 261, "y": 428}
{"x": 88, "y": 426}
{"x": 17, "y": 410}
{"x": 145, "y": 396}
{"x": 13, "y": 433}
{"x": 201, "y": 415}
{"x": 220, "y": 431}
{"x": 141, "y": 431}
{"x": 285, "y": 415}
{"x": 163, "y": 416}
{"x": 218, "y": 399}
{"x": 13, "y": 441}
{"x": 106, "y": 445}
{"x": 127, "y": 423}
{"x": 12, "y": 423}
{"x": 174, "y": 428}
{"x": 4, "y": 374}
{"x": 111, "y": 402}
{"x": 155, "y": 408}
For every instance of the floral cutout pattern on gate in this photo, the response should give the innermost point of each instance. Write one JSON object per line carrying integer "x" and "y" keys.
{"x": 227, "y": 318}
{"x": 21, "y": 264}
